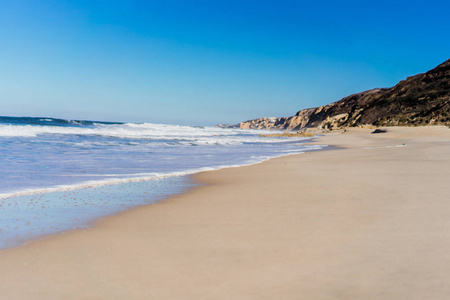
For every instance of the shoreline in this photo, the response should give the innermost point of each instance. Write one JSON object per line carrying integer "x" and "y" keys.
{"x": 90, "y": 189}
{"x": 314, "y": 224}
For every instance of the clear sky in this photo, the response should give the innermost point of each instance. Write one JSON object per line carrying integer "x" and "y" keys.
{"x": 208, "y": 62}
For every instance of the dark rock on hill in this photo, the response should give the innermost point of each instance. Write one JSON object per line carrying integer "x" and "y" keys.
{"x": 423, "y": 99}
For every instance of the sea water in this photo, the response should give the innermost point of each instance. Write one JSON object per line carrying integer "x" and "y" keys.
{"x": 57, "y": 175}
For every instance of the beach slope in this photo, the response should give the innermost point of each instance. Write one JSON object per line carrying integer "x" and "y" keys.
{"x": 370, "y": 220}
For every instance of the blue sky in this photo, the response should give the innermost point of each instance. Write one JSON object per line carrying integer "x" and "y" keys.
{"x": 208, "y": 62}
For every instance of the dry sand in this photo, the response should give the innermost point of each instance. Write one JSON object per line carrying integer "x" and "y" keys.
{"x": 371, "y": 221}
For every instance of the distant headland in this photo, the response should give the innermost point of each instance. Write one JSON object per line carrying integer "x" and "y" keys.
{"x": 423, "y": 99}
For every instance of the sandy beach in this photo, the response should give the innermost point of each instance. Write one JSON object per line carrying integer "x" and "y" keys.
{"x": 370, "y": 220}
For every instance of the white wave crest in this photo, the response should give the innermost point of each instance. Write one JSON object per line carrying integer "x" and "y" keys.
{"x": 185, "y": 134}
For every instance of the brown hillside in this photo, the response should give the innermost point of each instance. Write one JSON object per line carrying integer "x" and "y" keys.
{"x": 423, "y": 99}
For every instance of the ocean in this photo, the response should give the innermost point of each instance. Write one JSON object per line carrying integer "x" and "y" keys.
{"x": 57, "y": 175}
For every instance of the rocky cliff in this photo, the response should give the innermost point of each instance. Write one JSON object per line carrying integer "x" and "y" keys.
{"x": 423, "y": 99}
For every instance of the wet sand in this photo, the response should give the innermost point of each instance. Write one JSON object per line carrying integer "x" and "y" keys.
{"x": 368, "y": 221}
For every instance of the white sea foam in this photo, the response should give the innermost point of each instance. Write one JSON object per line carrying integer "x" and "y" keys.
{"x": 51, "y": 158}
{"x": 128, "y": 130}
{"x": 124, "y": 178}
{"x": 166, "y": 134}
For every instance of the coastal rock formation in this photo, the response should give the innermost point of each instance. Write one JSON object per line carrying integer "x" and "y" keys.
{"x": 423, "y": 99}
{"x": 262, "y": 123}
